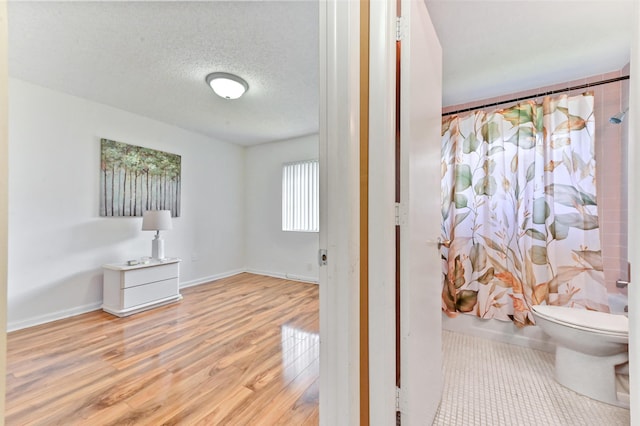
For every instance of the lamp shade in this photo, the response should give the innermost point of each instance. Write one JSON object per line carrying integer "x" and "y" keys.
{"x": 156, "y": 220}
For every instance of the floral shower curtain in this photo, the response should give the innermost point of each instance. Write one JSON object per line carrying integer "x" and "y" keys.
{"x": 519, "y": 206}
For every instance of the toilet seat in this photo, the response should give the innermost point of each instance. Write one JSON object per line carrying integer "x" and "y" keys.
{"x": 593, "y": 321}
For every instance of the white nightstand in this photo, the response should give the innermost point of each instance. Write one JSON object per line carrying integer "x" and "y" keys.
{"x": 131, "y": 289}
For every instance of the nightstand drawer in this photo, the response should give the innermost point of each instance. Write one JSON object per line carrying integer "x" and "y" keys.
{"x": 152, "y": 274}
{"x": 142, "y": 294}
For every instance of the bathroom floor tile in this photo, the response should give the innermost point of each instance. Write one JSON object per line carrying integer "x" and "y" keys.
{"x": 492, "y": 383}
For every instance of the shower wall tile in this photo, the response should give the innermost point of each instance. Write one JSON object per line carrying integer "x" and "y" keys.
{"x": 611, "y": 142}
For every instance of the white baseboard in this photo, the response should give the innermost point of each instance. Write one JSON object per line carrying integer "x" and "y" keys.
{"x": 305, "y": 279}
{"x": 58, "y": 315}
{"x": 284, "y": 276}
{"x": 53, "y": 316}
{"x": 210, "y": 278}
{"x": 501, "y": 331}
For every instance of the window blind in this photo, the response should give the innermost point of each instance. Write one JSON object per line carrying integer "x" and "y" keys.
{"x": 300, "y": 196}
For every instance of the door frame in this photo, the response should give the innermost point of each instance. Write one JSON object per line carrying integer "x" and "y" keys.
{"x": 382, "y": 233}
{"x": 634, "y": 224}
{"x": 340, "y": 40}
{"x": 339, "y": 36}
{"x": 4, "y": 198}
{"x": 340, "y": 119}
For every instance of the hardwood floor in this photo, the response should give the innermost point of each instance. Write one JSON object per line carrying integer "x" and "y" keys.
{"x": 239, "y": 351}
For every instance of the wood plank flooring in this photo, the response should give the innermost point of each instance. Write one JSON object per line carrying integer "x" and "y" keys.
{"x": 239, "y": 351}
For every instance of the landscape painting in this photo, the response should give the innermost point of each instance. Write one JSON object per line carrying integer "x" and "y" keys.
{"x": 134, "y": 179}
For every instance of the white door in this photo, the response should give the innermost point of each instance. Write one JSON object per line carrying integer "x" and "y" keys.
{"x": 420, "y": 266}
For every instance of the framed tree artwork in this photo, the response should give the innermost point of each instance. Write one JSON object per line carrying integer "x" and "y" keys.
{"x": 134, "y": 179}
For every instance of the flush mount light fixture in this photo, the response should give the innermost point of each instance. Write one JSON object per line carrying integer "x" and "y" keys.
{"x": 227, "y": 85}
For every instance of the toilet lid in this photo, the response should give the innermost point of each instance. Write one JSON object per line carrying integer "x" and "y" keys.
{"x": 583, "y": 318}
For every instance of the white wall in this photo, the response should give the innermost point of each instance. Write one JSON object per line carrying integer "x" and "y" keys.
{"x": 268, "y": 249}
{"x": 57, "y": 241}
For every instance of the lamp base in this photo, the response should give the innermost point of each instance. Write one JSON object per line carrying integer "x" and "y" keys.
{"x": 157, "y": 248}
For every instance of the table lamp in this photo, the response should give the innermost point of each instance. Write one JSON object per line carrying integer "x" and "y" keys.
{"x": 156, "y": 220}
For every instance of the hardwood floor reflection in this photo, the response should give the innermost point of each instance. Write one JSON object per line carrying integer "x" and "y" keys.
{"x": 242, "y": 351}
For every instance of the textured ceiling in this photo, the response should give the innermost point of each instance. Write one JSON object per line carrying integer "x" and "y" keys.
{"x": 151, "y": 58}
{"x": 492, "y": 48}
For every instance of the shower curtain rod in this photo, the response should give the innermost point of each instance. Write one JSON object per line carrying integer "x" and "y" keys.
{"x": 550, "y": 92}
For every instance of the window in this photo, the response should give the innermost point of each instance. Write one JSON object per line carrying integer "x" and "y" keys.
{"x": 300, "y": 196}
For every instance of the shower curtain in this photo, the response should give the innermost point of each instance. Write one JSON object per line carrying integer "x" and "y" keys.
{"x": 519, "y": 206}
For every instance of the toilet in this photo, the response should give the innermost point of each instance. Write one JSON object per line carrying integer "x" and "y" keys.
{"x": 589, "y": 346}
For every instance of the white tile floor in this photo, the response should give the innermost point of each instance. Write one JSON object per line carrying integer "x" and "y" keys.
{"x": 492, "y": 383}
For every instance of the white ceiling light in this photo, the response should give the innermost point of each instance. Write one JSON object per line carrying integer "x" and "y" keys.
{"x": 227, "y": 85}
